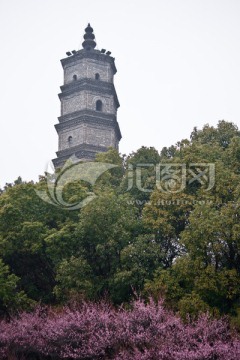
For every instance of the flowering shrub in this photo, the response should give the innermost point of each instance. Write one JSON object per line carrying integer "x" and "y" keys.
{"x": 98, "y": 331}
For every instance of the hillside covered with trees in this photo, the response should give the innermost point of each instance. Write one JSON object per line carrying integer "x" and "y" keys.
{"x": 161, "y": 226}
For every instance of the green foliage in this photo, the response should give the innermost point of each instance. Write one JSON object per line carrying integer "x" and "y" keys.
{"x": 139, "y": 179}
{"x": 61, "y": 243}
{"x": 74, "y": 280}
{"x": 11, "y": 298}
{"x": 139, "y": 259}
{"x": 191, "y": 306}
{"x": 222, "y": 134}
{"x": 191, "y": 287}
{"x": 213, "y": 235}
{"x": 165, "y": 285}
{"x": 25, "y": 222}
{"x": 133, "y": 237}
{"x": 166, "y": 216}
{"x": 105, "y": 228}
{"x": 113, "y": 177}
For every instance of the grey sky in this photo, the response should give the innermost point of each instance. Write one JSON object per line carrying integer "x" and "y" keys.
{"x": 178, "y": 67}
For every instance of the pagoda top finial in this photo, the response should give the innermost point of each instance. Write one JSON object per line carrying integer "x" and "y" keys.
{"x": 89, "y": 43}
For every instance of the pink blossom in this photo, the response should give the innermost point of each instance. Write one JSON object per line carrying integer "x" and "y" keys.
{"x": 97, "y": 331}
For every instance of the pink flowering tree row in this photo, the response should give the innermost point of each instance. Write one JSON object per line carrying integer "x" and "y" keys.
{"x": 99, "y": 331}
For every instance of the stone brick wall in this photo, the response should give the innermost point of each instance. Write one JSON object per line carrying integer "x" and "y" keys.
{"x": 87, "y": 100}
{"x": 87, "y": 68}
{"x": 98, "y": 135}
{"x": 77, "y": 134}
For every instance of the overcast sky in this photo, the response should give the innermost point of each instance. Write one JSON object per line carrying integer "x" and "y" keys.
{"x": 178, "y": 67}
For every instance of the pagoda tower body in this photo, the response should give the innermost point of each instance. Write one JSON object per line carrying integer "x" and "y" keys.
{"x": 88, "y": 122}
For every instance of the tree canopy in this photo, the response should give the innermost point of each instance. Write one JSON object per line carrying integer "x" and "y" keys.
{"x": 161, "y": 224}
